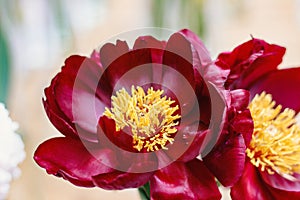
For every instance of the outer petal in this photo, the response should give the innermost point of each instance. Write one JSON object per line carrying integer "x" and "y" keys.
{"x": 232, "y": 143}
{"x": 74, "y": 90}
{"x": 216, "y": 74}
{"x": 281, "y": 183}
{"x": 118, "y": 180}
{"x": 250, "y": 186}
{"x": 249, "y": 61}
{"x": 231, "y": 152}
{"x": 240, "y": 117}
{"x": 58, "y": 119}
{"x": 198, "y": 46}
{"x": 284, "y": 194}
{"x": 69, "y": 158}
{"x": 184, "y": 181}
{"x": 284, "y": 85}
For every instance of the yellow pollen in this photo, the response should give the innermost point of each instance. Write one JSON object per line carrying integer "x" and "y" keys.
{"x": 275, "y": 143}
{"x": 149, "y": 116}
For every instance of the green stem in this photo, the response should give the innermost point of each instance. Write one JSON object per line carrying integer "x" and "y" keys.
{"x": 144, "y": 191}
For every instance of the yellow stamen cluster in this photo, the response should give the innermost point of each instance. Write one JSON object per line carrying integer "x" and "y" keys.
{"x": 149, "y": 116}
{"x": 275, "y": 144}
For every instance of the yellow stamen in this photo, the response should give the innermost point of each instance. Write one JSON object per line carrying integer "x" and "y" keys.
{"x": 275, "y": 144}
{"x": 149, "y": 116}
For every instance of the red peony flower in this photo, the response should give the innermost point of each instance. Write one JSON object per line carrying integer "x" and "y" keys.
{"x": 273, "y": 155}
{"x": 132, "y": 116}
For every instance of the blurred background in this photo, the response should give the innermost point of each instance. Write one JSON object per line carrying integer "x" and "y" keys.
{"x": 37, "y": 35}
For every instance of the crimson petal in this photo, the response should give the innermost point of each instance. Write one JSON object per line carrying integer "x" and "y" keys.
{"x": 69, "y": 158}
{"x": 157, "y": 50}
{"x": 250, "y": 186}
{"x": 231, "y": 152}
{"x": 279, "y": 182}
{"x": 118, "y": 180}
{"x": 184, "y": 181}
{"x": 284, "y": 92}
{"x": 249, "y": 61}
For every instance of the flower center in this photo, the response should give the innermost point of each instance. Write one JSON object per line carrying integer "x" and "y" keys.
{"x": 275, "y": 144}
{"x": 149, "y": 116}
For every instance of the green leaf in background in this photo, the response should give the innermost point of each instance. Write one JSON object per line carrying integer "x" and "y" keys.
{"x": 4, "y": 66}
{"x": 191, "y": 15}
{"x": 144, "y": 192}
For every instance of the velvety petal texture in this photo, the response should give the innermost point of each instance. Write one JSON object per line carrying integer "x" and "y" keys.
{"x": 249, "y": 61}
{"x": 184, "y": 181}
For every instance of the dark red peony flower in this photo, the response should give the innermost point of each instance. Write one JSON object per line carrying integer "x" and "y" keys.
{"x": 273, "y": 155}
{"x": 133, "y": 116}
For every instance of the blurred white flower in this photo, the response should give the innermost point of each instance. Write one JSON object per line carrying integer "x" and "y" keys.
{"x": 11, "y": 151}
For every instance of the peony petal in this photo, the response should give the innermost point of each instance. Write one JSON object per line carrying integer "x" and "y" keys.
{"x": 240, "y": 99}
{"x": 157, "y": 50}
{"x": 178, "y": 71}
{"x": 232, "y": 152}
{"x": 178, "y": 55}
{"x": 242, "y": 123}
{"x": 69, "y": 158}
{"x": 198, "y": 46}
{"x": 281, "y": 183}
{"x": 124, "y": 68}
{"x": 95, "y": 56}
{"x": 249, "y": 61}
{"x": 118, "y": 180}
{"x": 284, "y": 85}
{"x": 58, "y": 119}
{"x": 133, "y": 175}
{"x": 109, "y": 137}
{"x": 284, "y": 194}
{"x": 202, "y": 61}
{"x": 75, "y": 91}
{"x": 184, "y": 181}
{"x": 250, "y": 186}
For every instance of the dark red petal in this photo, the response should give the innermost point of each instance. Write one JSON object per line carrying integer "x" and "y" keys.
{"x": 250, "y": 186}
{"x": 95, "y": 56}
{"x": 242, "y": 123}
{"x": 59, "y": 121}
{"x": 124, "y": 68}
{"x": 284, "y": 194}
{"x": 73, "y": 97}
{"x": 157, "y": 50}
{"x": 178, "y": 71}
{"x": 184, "y": 181}
{"x": 187, "y": 144}
{"x": 69, "y": 158}
{"x": 121, "y": 180}
{"x": 219, "y": 111}
{"x": 202, "y": 61}
{"x": 284, "y": 85}
{"x": 78, "y": 73}
{"x": 178, "y": 55}
{"x": 240, "y": 99}
{"x": 110, "y": 52}
{"x": 109, "y": 137}
{"x": 231, "y": 152}
{"x": 249, "y": 61}
{"x": 121, "y": 143}
{"x": 281, "y": 183}
{"x": 198, "y": 46}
